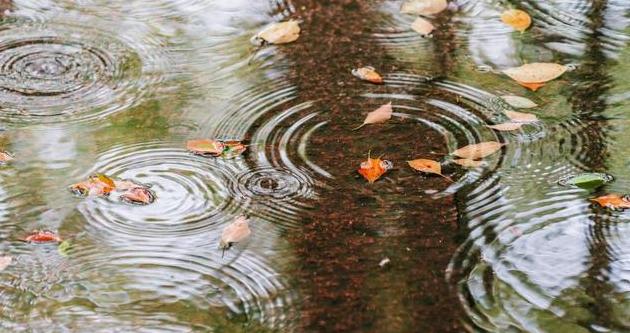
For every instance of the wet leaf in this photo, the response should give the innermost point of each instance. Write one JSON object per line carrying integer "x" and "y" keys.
{"x": 44, "y": 236}
{"x": 233, "y": 149}
{"x": 519, "y": 102}
{"x": 64, "y": 248}
{"x": 538, "y": 72}
{"x": 479, "y": 150}
{"x": 506, "y": 127}
{"x": 422, "y": 26}
{"x": 532, "y": 86}
{"x": 427, "y": 166}
{"x": 423, "y": 7}
{"x": 613, "y": 201}
{"x": 373, "y": 168}
{"x": 521, "y": 117}
{"x": 235, "y": 232}
{"x": 468, "y": 163}
{"x": 278, "y": 33}
{"x": 124, "y": 185}
{"x": 98, "y": 185}
{"x": 5, "y": 261}
{"x": 517, "y": 19}
{"x": 380, "y": 115}
{"x": 369, "y": 74}
{"x": 205, "y": 147}
{"x": 5, "y": 157}
{"x": 587, "y": 181}
{"x": 138, "y": 196}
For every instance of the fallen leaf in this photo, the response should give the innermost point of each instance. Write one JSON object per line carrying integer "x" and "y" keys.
{"x": 479, "y": 150}
{"x": 369, "y": 74}
{"x": 235, "y": 232}
{"x": 373, "y": 168}
{"x": 5, "y": 261}
{"x": 532, "y": 86}
{"x": 519, "y": 102}
{"x": 588, "y": 180}
{"x": 468, "y": 163}
{"x": 506, "y": 127}
{"x": 422, "y": 26}
{"x": 44, "y": 236}
{"x": 614, "y": 201}
{"x": 138, "y": 196}
{"x": 233, "y": 149}
{"x": 423, "y": 7}
{"x": 521, "y": 117}
{"x": 123, "y": 185}
{"x": 517, "y": 19}
{"x": 98, "y": 185}
{"x": 5, "y": 157}
{"x": 64, "y": 248}
{"x": 205, "y": 147}
{"x": 278, "y": 33}
{"x": 538, "y": 72}
{"x": 427, "y": 166}
{"x": 380, "y": 115}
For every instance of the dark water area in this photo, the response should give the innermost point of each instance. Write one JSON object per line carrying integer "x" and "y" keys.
{"x": 118, "y": 87}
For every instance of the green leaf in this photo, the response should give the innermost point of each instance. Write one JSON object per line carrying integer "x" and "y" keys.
{"x": 64, "y": 248}
{"x": 587, "y": 181}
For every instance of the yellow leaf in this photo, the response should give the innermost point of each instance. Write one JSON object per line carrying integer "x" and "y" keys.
{"x": 517, "y": 19}
{"x": 479, "y": 150}
{"x": 521, "y": 117}
{"x": 506, "y": 127}
{"x": 369, "y": 74}
{"x": 422, "y": 26}
{"x": 536, "y": 73}
{"x": 380, "y": 115}
{"x": 423, "y": 7}
{"x": 235, "y": 232}
{"x": 279, "y": 33}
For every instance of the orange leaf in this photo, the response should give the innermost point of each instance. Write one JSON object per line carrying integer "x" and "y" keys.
{"x": 532, "y": 86}
{"x": 99, "y": 185}
{"x": 205, "y": 146}
{"x": 5, "y": 157}
{"x": 42, "y": 237}
{"x": 468, "y": 163}
{"x": 380, "y": 115}
{"x": 369, "y": 74}
{"x": 517, "y": 19}
{"x": 427, "y": 166}
{"x": 477, "y": 151}
{"x": 138, "y": 196}
{"x": 506, "y": 127}
{"x": 374, "y": 168}
{"x": 614, "y": 201}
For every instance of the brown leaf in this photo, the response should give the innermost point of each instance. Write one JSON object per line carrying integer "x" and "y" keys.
{"x": 614, "y": 201}
{"x": 235, "y": 232}
{"x": 205, "y": 147}
{"x": 279, "y": 33}
{"x": 5, "y": 261}
{"x": 427, "y": 166}
{"x": 373, "y": 168}
{"x": 98, "y": 185}
{"x": 521, "y": 117}
{"x": 124, "y": 185}
{"x": 479, "y": 150}
{"x": 517, "y": 19}
{"x": 538, "y": 72}
{"x": 423, "y": 7}
{"x": 5, "y": 157}
{"x": 468, "y": 163}
{"x": 532, "y": 86}
{"x": 138, "y": 196}
{"x": 44, "y": 236}
{"x": 422, "y": 26}
{"x": 369, "y": 74}
{"x": 506, "y": 127}
{"x": 380, "y": 115}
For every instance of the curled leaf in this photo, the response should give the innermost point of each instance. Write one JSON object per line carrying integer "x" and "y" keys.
{"x": 138, "y": 196}
{"x": 589, "y": 180}
{"x": 373, "y": 168}
{"x": 235, "y": 232}
{"x": 536, "y": 73}
{"x": 369, "y": 74}
{"x": 517, "y": 19}
{"x": 521, "y": 117}
{"x": 422, "y": 26}
{"x": 479, "y": 150}
{"x": 519, "y": 102}
{"x": 506, "y": 127}
{"x": 380, "y": 115}
{"x": 97, "y": 185}
{"x": 423, "y": 7}
{"x": 278, "y": 33}
{"x": 5, "y": 261}
{"x": 613, "y": 201}
{"x": 468, "y": 163}
{"x": 205, "y": 147}
{"x": 44, "y": 236}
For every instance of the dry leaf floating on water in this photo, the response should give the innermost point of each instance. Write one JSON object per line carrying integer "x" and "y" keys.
{"x": 479, "y": 150}
{"x": 369, "y": 74}
{"x": 5, "y": 157}
{"x": 205, "y": 147}
{"x": 517, "y": 19}
{"x": 521, "y": 117}
{"x": 138, "y": 196}
{"x": 278, "y": 33}
{"x": 468, "y": 163}
{"x": 535, "y": 73}
{"x": 97, "y": 185}
{"x": 422, "y": 26}
{"x": 427, "y": 166}
{"x": 380, "y": 115}
{"x": 373, "y": 168}
{"x": 506, "y": 127}
{"x": 235, "y": 232}
{"x": 613, "y": 201}
{"x": 423, "y": 7}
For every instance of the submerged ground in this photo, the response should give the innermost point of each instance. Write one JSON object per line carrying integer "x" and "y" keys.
{"x": 118, "y": 87}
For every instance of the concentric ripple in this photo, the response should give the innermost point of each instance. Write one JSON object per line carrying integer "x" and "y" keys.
{"x": 51, "y": 74}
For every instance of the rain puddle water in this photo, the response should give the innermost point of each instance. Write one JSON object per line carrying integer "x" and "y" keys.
{"x": 118, "y": 87}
